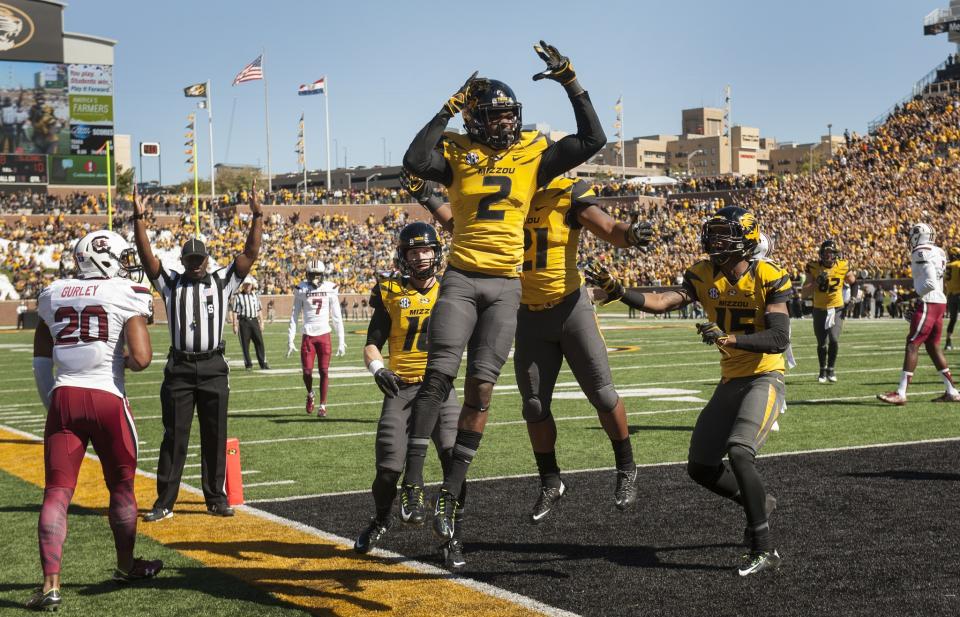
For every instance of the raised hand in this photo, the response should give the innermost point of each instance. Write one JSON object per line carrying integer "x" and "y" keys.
{"x": 598, "y": 275}
{"x": 559, "y": 68}
{"x": 459, "y": 98}
{"x": 640, "y": 234}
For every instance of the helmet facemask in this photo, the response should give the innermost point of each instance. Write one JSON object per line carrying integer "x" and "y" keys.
{"x": 492, "y": 114}
{"x": 723, "y": 240}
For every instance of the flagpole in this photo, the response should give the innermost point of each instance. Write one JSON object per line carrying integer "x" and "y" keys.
{"x": 623, "y": 153}
{"x": 326, "y": 112}
{"x": 266, "y": 118}
{"x": 213, "y": 180}
{"x": 109, "y": 198}
{"x": 196, "y": 189}
{"x": 303, "y": 152}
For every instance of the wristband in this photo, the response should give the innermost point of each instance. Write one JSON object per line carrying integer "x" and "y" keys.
{"x": 138, "y": 216}
{"x": 374, "y": 366}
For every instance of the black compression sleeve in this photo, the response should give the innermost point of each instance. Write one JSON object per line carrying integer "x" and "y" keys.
{"x": 422, "y": 158}
{"x": 432, "y": 203}
{"x": 573, "y": 150}
{"x": 634, "y": 299}
{"x": 774, "y": 339}
{"x": 379, "y": 329}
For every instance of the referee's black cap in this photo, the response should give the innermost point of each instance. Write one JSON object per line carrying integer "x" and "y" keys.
{"x": 193, "y": 247}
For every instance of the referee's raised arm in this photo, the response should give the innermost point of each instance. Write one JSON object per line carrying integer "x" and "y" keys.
{"x": 151, "y": 265}
{"x": 244, "y": 261}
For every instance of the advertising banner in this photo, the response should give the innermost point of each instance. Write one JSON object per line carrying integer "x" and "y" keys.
{"x": 82, "y": 170}
{"x": 89, "y": 138}
{"x": 90, "y": 79}
{"x": 91, "y": 108}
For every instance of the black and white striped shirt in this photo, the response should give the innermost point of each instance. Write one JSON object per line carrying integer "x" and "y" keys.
{"x": 246, "y": 305}
{"x": 196, "y": 310}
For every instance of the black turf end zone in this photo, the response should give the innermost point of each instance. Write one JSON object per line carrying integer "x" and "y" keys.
{"x": 862, "y": 532}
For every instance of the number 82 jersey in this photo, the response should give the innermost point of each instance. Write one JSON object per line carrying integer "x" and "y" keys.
{"x": 409, "y": 311}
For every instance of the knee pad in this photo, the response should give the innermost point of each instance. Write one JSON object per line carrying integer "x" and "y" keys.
{"x": 704, "y": 474}
{"x": 534, "y": 410}
{"x": 605, "y": 399}
{"x": 435, "y": 387}
{"x": 479, "y": 388}
{"x": 388, "y": 476}
{"x": 740, "y": 456}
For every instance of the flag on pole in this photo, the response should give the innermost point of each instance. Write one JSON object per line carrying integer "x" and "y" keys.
{"x": 196, "y": 90}
{"x": 251, "y": 72}
{"x": 317, "y": 87}
{"x": 618, "y": 106}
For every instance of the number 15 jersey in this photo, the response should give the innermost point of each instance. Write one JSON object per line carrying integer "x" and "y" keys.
{"x": 409, "y": 312}
{"x": 86, "y": 319}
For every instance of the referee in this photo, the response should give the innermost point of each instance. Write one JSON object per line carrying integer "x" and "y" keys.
{"x": 248, "y": 323}
{"x": 196, "y": 374}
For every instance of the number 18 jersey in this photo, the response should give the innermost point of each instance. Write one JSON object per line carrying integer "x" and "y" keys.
{"x": 86, "y": 319}
{"x": 409, "y": 311}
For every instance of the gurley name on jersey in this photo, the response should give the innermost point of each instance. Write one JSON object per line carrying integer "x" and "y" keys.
{"x": 489, "y": 196}
{"x": 409, "y": 312}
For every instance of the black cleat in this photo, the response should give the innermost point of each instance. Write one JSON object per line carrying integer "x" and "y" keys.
{"x": 220, "y": 509}
{"x": 626, "y": 493}
{"x": 452, "y": 553}
{"x": 40, "y": 601}
{"x": 157, "y": 514}
{"x": 412, "y": 508}
{"x": 444, "y": 515}
{"x": 141, "y": 569}
{"x": 769, "y": 506}
{"x": 549, "y": 496}
{"x": 757, "y": 562}
{"x": 372, "y": 535}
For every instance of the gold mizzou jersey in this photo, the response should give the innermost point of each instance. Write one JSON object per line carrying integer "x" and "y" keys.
{"x": 409, "y": 312}
{"x": 550, "y": 238}
{"x": 739, "y": 308}
{"x": 829, "y": 293}
{"x": 951, "y": 278}
{"x": 489, "y": 196}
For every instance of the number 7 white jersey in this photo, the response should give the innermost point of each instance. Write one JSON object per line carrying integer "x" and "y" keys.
{"x": 927, "y": 265}
{"x": 318, "y": 304}
{"x": 86, "y": 319}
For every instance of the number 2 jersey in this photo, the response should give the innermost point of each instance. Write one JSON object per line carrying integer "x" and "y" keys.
{"x": 318, "y": 304}
{"x": 739, "y": 308}
{"x": 550, "y": 239}
{"x": 489, "y": 196}
{"x": 402, "y": 317}
{"x": 86, "y": 318}
{"x": 829, "y": 293}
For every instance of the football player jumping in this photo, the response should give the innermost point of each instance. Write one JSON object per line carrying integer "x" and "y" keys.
{"x": 402, "y": 306}
{"x": 318, "y": 301}
{"x": 927, "y": 264}
{"x": 826, "y": 278}
{"x": 746, "y": 302}
{"x": 85, "y": 324}
{"x": 491, "y": 174}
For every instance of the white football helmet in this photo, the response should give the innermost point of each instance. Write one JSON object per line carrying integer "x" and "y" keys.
{"x": 105, "y": 254}
{"x": 764, "y": 247}
{"x": 315, "y": 270}
{"x": 921, "y": 233}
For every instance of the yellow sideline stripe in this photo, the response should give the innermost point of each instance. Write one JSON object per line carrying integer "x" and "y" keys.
{"x": 299, "y": 568}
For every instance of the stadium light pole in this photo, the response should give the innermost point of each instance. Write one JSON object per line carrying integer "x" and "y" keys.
{"x": 830, "y": 138}
{"x": 366, "y": 182}
{"x": 383, "y": 140}
{"x": 691, "y": 155}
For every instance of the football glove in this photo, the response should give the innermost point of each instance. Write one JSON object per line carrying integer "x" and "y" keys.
{"x": 559, "y": 68}
{"x": 388, "y": 382}
{"x": 291, "y": 350}
{"x": 640, "y": 234}
{"x": 823, "y": 281}
{"x": 711, "y": 334}
{"x": 909, "y": 308}
{"x": 459, "y": 98}
{"x": 598, "y": 276}
{"x": 341, "y": 349}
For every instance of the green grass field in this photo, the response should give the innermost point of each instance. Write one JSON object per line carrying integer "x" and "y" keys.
{"x": 663, "y": 372}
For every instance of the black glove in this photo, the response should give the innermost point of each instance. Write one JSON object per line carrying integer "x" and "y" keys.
{"x": 417, "y": 187}
{"x": 598, "y": 276}
{"x": 711, "y": 333}
{"x": 459, "y": 98}
{"x": 640, "y": 234}
{"x": 559, "y": 68}
{"x": 388, "y": 382}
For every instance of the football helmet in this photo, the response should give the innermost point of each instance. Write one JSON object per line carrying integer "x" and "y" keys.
{"x": 829, "y": 253}
{"x": 316, "y": 270}
{"x": 731, "y": 233}
{"x": 105, "y": 254}
{"x": 921, "y": 233}
{"x": 764, "y": 247}
{"x": 954, "y": 253}
{"x": 416, "y": 235}
{"x": 492, "y": 115}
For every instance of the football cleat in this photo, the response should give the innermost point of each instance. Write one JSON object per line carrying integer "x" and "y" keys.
{"x": 40, "y": 601}
{"x": 948, "y": 346}
{"x": 893, "y": 398}
{"x": 549, "y": 496}
{"x": 946, "y": 397}
{"x": 157, "y": 514}
{"x": 823, "y": 376}
{"x": 452, "y": 553}
{"x": 626, "y": 492}
{"x": 831, "y": 375}
{"x": 412, "y": 507}
{"x": 140, "y": 570}
{"x": 769, "y": 506}
{"x": 310, "y": 397}
{"x": 444, "y": 515}
{"x": 322, "y": 410}
{"x": 757, "y": 562}
{"x": 372, "y": 535}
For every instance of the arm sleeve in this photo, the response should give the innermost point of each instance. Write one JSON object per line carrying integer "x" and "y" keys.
{"x": 335, "y": 315}
{"x": 294, "y": 316}
{"x": 432, "y": 203}
{"x": 379, "y": 329}
{"x": 774, "y": 339}
{"x": 780, "y": 289}
{"x": 422, "y": 158}
{"x": 581, "y": 198}
{"x": 688, "y": 286}
{"x": 575, "y": 149}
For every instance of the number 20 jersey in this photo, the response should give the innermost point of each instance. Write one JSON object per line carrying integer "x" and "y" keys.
{"x": 86, "y": 319}
{"x": 738, "y": 308}
{"x": 409, "y": 312}
{"x": 489, "y": 196}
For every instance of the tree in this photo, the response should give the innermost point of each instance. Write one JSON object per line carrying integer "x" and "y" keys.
{"x": 124, "y": 180}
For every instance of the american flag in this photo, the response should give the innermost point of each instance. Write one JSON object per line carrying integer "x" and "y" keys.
{"x": 251, "y": 72}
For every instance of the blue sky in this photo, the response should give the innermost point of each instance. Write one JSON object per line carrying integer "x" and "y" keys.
{"x": 793, "y": 66}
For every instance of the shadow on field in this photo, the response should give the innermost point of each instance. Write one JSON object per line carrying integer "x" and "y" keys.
{"x": 22, "y": 442}
{"x": 35, "y": 508}
{"x": 908, "y": 474}
{"x": 325, "y": 420}
{"x": 636, "y": 428}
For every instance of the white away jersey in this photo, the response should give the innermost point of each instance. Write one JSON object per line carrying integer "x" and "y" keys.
{"x": 318, "y": 303}
{"x": 927, "y": 265}
{"x": 86, "y": 319}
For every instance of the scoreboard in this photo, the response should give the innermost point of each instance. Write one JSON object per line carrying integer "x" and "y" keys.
{"x": 23, "y": 169}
